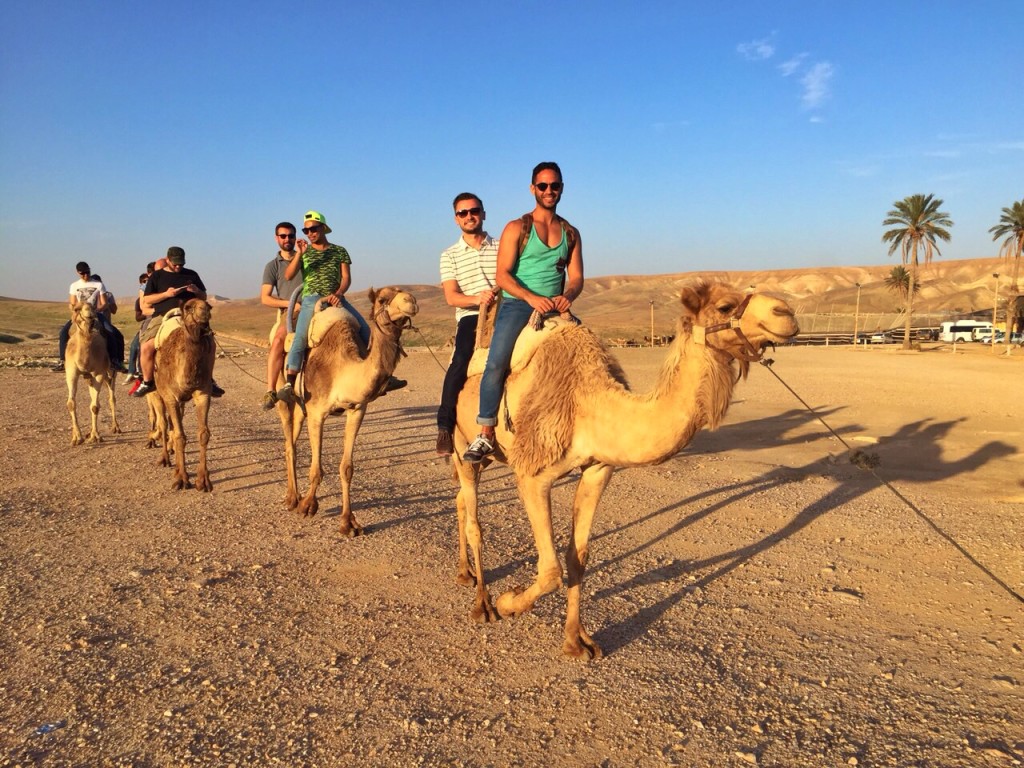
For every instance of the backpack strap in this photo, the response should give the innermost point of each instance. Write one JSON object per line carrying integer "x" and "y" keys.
{"x": 567, "y": 229}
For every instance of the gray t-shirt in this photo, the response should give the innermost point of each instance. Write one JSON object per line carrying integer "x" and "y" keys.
{"x": 273, "y": 274}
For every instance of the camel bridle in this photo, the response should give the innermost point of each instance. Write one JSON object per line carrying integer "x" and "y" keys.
{"x": 749, "y": 353}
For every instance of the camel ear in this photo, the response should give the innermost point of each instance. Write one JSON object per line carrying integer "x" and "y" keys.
{"x": 372, "y": 293}
{"x": 691, "y": 301}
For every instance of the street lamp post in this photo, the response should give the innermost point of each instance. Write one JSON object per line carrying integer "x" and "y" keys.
{"x": 652, "y": 323}
{"x": 995, "y": 307}
{"x": 856, "y": 317}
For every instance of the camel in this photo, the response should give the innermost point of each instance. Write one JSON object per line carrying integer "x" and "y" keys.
{"x": 184, "y": 371}
{"x": 341, "y": 374}
{"x": 569, "y": 407}
{"x": 86, "y": 357}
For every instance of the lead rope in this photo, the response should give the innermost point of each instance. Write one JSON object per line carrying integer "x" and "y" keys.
{"x": 869, "y": 461}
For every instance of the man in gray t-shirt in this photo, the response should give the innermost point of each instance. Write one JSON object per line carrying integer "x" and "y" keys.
{"x": 274, "y": 280}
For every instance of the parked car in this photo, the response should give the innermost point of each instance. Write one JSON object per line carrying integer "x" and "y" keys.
{"x": 985, "y": 337}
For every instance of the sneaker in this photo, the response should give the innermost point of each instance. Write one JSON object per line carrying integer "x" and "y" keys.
{"x": 143, "y": 389}
{"x": 58, "y": 368}
{"x": 130, "y": 379}
{"x": 287, "y": 396}
{"x": 269, "y": 400}
{"x": 445, "y": 447}
{"x": 394, "y": 384}
{"x": 118, "y": 367}
{"x": 135, "y": 386}
{"x": 478, "y": 450}
{"x": 215, "y": 391}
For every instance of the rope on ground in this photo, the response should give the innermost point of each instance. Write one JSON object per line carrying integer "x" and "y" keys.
{"x": 232, "y": 359}
{"x": 869, "y": 461}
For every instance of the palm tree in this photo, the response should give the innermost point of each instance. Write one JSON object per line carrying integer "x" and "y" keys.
{"x": 898, "y": 282}
{"x": 917, "y": 222}
{"x": 1011, "y": 226}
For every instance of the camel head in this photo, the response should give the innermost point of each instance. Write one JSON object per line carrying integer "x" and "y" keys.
{"x": 741, "y": 325}
{"x": 397, "y": 306}
{"x": 84, "y": 315}
{"x": 195, "y": 312}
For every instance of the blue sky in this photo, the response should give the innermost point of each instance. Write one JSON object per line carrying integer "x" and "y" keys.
{"x": 748, "y": 136}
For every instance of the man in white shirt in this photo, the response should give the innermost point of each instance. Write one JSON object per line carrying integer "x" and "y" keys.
{"x": 88, "y": 290}
{"x": 467, "y": 276}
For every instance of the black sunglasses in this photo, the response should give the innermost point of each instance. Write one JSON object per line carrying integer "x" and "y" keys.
{"x": 286, "y": 235}
{"x": 314, "y": 228}
{"x": 468, "y": 212}
{"x": 556, "y": 186}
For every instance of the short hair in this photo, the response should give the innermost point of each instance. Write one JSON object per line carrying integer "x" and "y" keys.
{"x": 81, "y": 267}
{"x": 547, "y": 166}
{"x": 465, "y": 196}
{"x": 144, "y": 277}
{"x": 286, "y": 225}
{"x": 150, "y": 267}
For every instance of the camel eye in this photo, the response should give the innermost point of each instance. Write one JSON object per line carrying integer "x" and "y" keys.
{"x": 726, "y": 308}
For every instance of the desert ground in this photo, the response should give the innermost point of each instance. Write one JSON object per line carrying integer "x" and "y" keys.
{"x": 761, "y": 599}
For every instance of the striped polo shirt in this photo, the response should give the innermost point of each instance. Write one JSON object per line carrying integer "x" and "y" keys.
{"x": 472, "y": 269}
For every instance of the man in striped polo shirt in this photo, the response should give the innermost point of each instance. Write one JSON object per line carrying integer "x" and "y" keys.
{"x": 467, "y": 276}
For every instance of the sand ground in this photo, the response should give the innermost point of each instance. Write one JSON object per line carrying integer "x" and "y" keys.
{"x": 761, "y": 600}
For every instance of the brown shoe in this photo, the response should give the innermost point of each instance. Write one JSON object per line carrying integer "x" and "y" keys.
{"x": 445, "y": 446}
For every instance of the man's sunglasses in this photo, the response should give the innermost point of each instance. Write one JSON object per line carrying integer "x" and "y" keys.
{"x": 314, "y": 228}
{"x": 286, "y": 235}
{"x": 556, "y": 186}
{"x": 468, "y": 212}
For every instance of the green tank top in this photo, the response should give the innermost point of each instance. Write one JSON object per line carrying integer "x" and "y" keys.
{"x": 541, "y": 269}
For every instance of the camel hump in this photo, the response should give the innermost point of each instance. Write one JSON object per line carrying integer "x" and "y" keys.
{"x": 324, "y": 320}
{"x": 527, "y": 344}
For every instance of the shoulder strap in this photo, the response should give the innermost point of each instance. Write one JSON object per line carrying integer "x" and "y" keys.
{"x": 567, "y": 228}
{"x": 524, "y": 234}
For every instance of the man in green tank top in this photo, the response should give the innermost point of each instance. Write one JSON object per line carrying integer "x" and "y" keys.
{"x": 542, "y": 272}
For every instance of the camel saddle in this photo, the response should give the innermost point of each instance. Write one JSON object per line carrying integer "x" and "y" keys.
{"x": 324, "y": 317}
{"x": 170, "y": 323}
{"x": 530, "y": 338}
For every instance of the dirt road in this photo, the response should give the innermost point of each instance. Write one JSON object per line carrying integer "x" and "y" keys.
{"x": 761, "y": 600}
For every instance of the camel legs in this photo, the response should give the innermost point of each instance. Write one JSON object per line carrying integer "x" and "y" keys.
{"x": 593, "y": 481}
{"x": 536, "y": 495}
{"x": 180, "y": 473}
{"x": 159, "y": 420}
{"x": 202, "y": 402}
{"x": 470, "y": 537}
{"x": 309, "y": 505}
{"x": 71, "y": 376}
{"x": 353, "y": 421}
{"x": 94, "y": 411}
{"x": 291, "y": 426}
{"x": 115, "y": 428}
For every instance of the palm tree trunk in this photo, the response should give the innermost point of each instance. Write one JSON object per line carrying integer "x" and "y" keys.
{"x": 910, "y": 305}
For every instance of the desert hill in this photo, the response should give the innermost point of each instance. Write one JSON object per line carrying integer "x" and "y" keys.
{"x": 620, "y": 306}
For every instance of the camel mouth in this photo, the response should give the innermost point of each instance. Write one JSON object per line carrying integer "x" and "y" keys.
{"x": 777, "y": 337}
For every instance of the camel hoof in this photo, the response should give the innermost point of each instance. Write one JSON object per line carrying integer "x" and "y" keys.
{"x": 465, "y": 579}
{"x": 506, "y": 604}
{"x": 587, "y": 651}
{"x": 484, "y": 613}
{"x": 351, "y": 531}
{"x": 204, "y": 485}
{"x": 309, "y": 508}
{"x": 117, "y": 431}
{"x": 76, "y": 440}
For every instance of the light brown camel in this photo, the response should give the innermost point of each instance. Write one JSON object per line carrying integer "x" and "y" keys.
{"x": 86, "y": 357}
{"x": 184, "y": 371}
{"x": 341, "y": 374}
{"x": 570, "y": 407}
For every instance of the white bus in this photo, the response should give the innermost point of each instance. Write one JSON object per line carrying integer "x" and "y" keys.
{"x": 963, "y": 330}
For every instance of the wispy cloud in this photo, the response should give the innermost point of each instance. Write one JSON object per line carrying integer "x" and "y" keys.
{"x": 787, "y": 68}
{"x": 817, "y": 84}
{"x": 757, "y": 50}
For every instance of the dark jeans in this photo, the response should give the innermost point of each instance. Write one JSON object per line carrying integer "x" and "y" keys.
{"x": 513, "y": 315}
{"x": 133, "y": 356}
{"x": 465, "y": 340}
{"x": 113, "y": 336}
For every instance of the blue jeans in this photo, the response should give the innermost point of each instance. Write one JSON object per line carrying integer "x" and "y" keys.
{"x": 513, "y": 315}
{"x": 298, "y": 348}
{"x": 133, "y": 356}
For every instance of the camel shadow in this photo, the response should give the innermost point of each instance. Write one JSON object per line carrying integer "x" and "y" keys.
{"x": 767, "y": 432}
{"x": 921, "y": 439}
